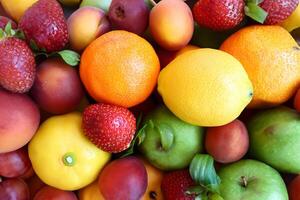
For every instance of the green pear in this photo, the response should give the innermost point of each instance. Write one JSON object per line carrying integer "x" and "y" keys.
{"x": 169, "y": 143}
{"x": 275, "y": 138}
{"x": 103, "y": 4}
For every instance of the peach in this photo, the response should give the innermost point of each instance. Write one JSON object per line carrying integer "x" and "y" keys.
{"x": 85, "y": 25}
{"x": 171, "y": 24}
{"x": 19, "y": 120}
{"x": 16, "y": 8}
{"x": 228, "y": 143}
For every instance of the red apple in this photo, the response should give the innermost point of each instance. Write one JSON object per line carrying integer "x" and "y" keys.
{"x": 228, "y": 143}
{"x": 19, "y": 120}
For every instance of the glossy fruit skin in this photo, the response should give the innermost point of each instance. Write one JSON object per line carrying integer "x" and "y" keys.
{"x": 190, "y": 92}
{"x": 175, "y": 183}
{"x": 219, "y": 15}
{"x": 64, "y": 150}
{"x": 280, "y": 62}
{"x": 124, "y": 178}
{"x": 294, "y": 188}
{"x": 228, "y": 143}
{"x": 48, "y": 30}
{"x": 4, "y": 20}
{"x": 57, "y": 88}
{"x": 14, "y": 189}
{"x": 188, "y": 140}
{"x": 91, "y": 192}
{"x": 101, "y": 72}
{"x": 14, "y": 163}
{"x": 171, "y": 24}
{"x": 263, "y": 182}
{"x": 274, "y": 138}
{"x": 132, "y": 16}
{"x": 51, "y": 193}
{"x": 19, "y": 120}
{"x": 278, "y": 10}
{"x": 297, "y": 100}
{"x": 34, "y": 184}
{"x": 110, "y": 127}
{"x": 17, "y": 65}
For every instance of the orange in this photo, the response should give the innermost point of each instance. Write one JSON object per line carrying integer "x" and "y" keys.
{"x": 120, "y": 68}
{"x": 270, "y": 56}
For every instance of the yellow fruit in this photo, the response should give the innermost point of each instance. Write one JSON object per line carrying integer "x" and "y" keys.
{"x": 187, "y": 48}
{"x": 16, "y": 8}
{"x": 293, "y": 21}
{"x": 62, "y": 156}
{"x": 91, "y": 192}
{"x": 205, "y": 87}
{"x": 154, "y": 181}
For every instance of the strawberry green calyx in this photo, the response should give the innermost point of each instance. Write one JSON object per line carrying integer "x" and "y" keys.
{"x": 7, "y": 32}
{"x": 254, "y": 11}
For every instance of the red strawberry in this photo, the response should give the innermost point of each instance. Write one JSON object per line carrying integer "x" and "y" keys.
{"x": 174, "y": 184}
{"x": 278, "y": 10}
{"x": 45, "y": 24}
{"x": 219, "y": 15}
{"x": 110, "y": 127}
{"x": 5, "y": 20}
{"x": 17, "y": 64}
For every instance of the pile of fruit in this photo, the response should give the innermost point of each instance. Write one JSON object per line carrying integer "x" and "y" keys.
{"x": 149, "y": 100}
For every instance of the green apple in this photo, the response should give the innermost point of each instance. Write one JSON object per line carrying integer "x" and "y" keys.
{"x": 70, "y": 2}
{"x": 251, "y": 180}
{"x": 103, "y": 4}
{"x": 170, "y": 143}
{"x": 275, "y": 138}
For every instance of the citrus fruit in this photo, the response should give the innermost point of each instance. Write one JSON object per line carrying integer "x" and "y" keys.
{"x": 205, "y": 87}
{"x": 120, "y": 68}
{"x": 71, "y": 160}
{"x": 271, "y": 58}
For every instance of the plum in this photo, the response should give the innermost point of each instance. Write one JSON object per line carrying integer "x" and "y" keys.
{"x": 13, "y": 189}
{"x": 51, "y": 193}
{"x": 124, "y": 178}
{"x": 57, "y": 88}
{"x": 19, "y": 120}
{"x": 130, "y": 15}
{"x": 228, "y": 143}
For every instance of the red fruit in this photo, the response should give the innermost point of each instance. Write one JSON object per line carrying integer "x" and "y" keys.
{"x": 110, "y": 127}
{"x": 175, "y": 184}
{"x": 17, "y": 65}
{"x": 5, "y": 20}
{"x": 219, "y": 15}
{"x": 14, "y": 189}
{"x": 278, "y": 10}
{"x": 294, "y": 188}
{"x": 45, "y": 24}
{"x": 51, "y": 193}
{"x": 297, "y": 100}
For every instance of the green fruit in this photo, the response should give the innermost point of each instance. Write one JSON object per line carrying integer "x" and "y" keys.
{"x": 275, "y": 138}
{"x": 170, "y": 143}
{"x": 103, "y": 4}
{"x": 251, "y": 180}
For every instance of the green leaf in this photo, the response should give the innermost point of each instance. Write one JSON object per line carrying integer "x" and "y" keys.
{"x": 33, "y": 45}
{"x": 20, "y": 34}
{"x": 2, "y": 33}
{"x": 7, "y": 28}
{"x": 255, "y": 12}
{"x": 70, "y": 57}
{"x": 195, "y": 190}
{"x": 166, "y": 136}
{"x": 203, "y": 172}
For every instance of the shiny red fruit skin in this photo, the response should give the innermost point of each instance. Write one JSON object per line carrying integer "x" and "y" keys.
{"x": 278, "y": 10}
{"x": 175, "y": 183}
{"x": 14, "y": 189}
{"x": 45, "y": 24}
{"x": 219, "y": 15}
{"x": 17, "y": 65}
{"x": 5, "y": 20}
{"x": 51, "y": 193}
{"x": 15, "y": 163}
{"x": 110, "y": 127}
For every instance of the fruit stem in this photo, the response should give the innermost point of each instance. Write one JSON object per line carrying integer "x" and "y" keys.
{"x": 244, "y": 181}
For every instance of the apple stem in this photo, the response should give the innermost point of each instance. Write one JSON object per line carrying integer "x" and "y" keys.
{"x": 244, "y": 181}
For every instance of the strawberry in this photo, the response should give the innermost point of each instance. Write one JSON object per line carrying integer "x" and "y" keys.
{"x": 278, "y": 10}
{"x": 174, "y": 185}
{"x": 45, "y": 24}
{"x": 5, "y": 20}
{"x": 110, "y": 127}
{"x": 219, "y": 15}
{"x": 17, "y": 64}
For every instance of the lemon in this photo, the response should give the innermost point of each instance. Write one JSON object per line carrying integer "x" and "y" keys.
{"x": 205, "y": 87}
{"x": 293, "y": 21}
{"x": 17, "y": 8}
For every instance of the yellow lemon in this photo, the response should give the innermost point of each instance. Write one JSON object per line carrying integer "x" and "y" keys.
{"x": 293, "y": 21}
{"x": 62, "y": 156}
{"x": 16, "y": 8}
{"x": 205, "y": 87}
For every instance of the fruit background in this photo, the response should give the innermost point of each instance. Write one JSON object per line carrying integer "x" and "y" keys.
{"x": 149, "y": 100}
